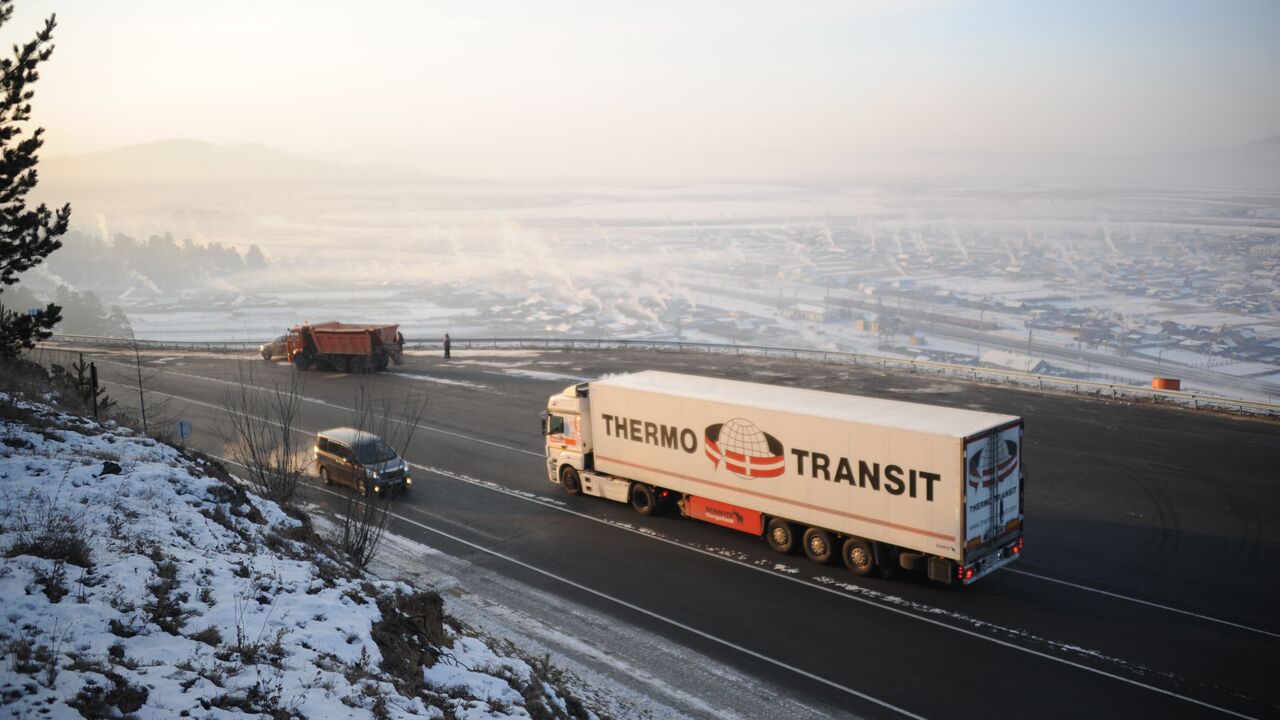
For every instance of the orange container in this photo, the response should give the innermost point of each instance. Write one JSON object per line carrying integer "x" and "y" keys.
{"x": 1166, "y": 383}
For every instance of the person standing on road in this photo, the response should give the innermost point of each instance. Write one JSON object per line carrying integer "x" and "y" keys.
{"x": 447, "y": 343}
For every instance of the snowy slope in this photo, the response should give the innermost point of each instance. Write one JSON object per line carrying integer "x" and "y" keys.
{"x": 138, "y": 581}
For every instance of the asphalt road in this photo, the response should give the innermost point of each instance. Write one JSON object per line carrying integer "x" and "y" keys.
{"x": 1148, "y": 585}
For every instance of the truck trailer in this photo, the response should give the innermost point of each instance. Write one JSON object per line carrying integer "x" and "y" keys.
{"x": 885, "y": 485}
{"x": 344, "y": 347}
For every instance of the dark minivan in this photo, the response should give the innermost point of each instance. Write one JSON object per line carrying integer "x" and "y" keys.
{"x": 360, "y": 460}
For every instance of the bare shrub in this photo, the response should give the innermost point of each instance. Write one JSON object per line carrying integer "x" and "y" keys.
{"x": 261, "y": 429}
{"x": 47, "y": 532}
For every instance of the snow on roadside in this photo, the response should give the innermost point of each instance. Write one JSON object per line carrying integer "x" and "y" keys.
{"x": 139, "y": 581}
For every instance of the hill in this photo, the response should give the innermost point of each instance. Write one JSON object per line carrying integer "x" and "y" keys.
{"x": 168, "y": 163}
{"x": 141, "y": 581}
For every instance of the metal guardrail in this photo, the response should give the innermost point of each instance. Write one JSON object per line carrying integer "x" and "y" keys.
{"x": 1084, "y": 387}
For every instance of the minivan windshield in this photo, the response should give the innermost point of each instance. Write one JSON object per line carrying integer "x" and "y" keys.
{"x": 374, "y": 452}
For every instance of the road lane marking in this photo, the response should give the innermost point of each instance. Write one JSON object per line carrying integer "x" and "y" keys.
{"x": 326, "y": 403}
{"x": 801, "y": 581}
{"x": 1127, "y": 598}
{"x": 629, "y": 605}
{"x": 651, "y": 614}
{"x": 551, "y": 504}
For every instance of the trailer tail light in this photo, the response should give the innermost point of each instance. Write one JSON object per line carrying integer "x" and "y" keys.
{"x": 1016, "y": 547}
{"x": 964, "y": 573}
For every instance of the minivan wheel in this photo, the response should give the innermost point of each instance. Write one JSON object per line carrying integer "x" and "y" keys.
{"x": 266, "y": 355}
{"x": 324, "y": 476}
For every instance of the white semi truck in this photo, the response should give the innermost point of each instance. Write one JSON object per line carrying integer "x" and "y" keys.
{"x": 880, "y": 483}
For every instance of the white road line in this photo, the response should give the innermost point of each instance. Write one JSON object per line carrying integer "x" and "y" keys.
{"x": 314, "y": 401}
{"x": 1127, "y": 598}
{"x": 801, "y": 581}
{"x": 654, "y": 615}
{"x": 631, "y": 606}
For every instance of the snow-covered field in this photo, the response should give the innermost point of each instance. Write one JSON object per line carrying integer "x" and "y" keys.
{"x": 140, "y": 581}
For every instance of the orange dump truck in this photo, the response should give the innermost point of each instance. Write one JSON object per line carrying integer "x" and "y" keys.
{"x": 344, "y": 347}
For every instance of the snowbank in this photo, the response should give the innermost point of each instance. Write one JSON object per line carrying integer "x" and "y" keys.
{"x": 141, "y": 581}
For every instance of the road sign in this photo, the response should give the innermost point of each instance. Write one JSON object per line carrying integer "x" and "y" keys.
{"x": 183, "y": 429}
{"x": 33, "y": 312}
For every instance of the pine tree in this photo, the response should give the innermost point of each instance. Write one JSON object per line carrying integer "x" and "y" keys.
{"x": 26, "y": 236}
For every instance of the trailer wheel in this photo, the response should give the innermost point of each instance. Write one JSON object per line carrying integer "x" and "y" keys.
{"x": 302, "y": 361}
{"x": 570, "y": 481}
{"x": 780, "y": 536}
{"x": 339, "y": 363}
{"x": 324, "y": 476}
{"x": 642, "y": 499}
{"x": 818, "y": 546}
{"x": 858, "y": 556}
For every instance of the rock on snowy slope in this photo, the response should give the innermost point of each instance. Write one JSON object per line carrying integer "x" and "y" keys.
{"x": 159, "y": 588}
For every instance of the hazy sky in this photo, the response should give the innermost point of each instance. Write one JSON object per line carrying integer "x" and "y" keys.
{"x": 658, "y": 89}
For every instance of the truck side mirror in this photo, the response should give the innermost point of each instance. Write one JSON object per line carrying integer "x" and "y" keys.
{"x": 543, "y": 420}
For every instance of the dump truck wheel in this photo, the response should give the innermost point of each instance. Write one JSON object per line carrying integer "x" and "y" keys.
{"x": 397, "y": 358}
{"x": 642, "y": 499}
{"x": 570, "y": 481}
{"x": 302, "y": 361}
{"x": 360, "y": 364}
{"x": 380, "y": 362}
{"x": 324, "y": 476}
{"x": 858, "y": 556}
{"x": 340, "y": 364}
{"x": 818, "y": 546}
{"x": 780, "y": 536}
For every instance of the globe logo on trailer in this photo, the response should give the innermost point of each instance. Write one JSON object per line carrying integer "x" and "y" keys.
{"x": 746, "y": 450}
{"x": 986, "y": 470}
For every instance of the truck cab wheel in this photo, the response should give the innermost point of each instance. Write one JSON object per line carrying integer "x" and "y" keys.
{"x": 642, "y": 500}
{"x": 818, "y": 545}
{"x": 570, "y": 481}
{"x": 858, "y": 556}
{"x": 780, "y": 536}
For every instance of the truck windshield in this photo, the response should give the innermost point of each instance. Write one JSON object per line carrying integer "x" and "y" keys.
{"x": 373, "y": 452}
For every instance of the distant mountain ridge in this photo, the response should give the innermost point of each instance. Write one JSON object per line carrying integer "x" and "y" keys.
{"x": 185, "y": 163}
{"x": 191, "y": 162}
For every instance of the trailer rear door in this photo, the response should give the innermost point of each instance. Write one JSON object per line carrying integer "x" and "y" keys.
{"x": 993, "y": 484}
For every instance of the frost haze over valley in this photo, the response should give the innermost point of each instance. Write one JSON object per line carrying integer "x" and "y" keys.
{"x": 1116, "y": 283}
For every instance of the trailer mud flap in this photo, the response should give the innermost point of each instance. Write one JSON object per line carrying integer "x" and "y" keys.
{"x": 941, "y": 570}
